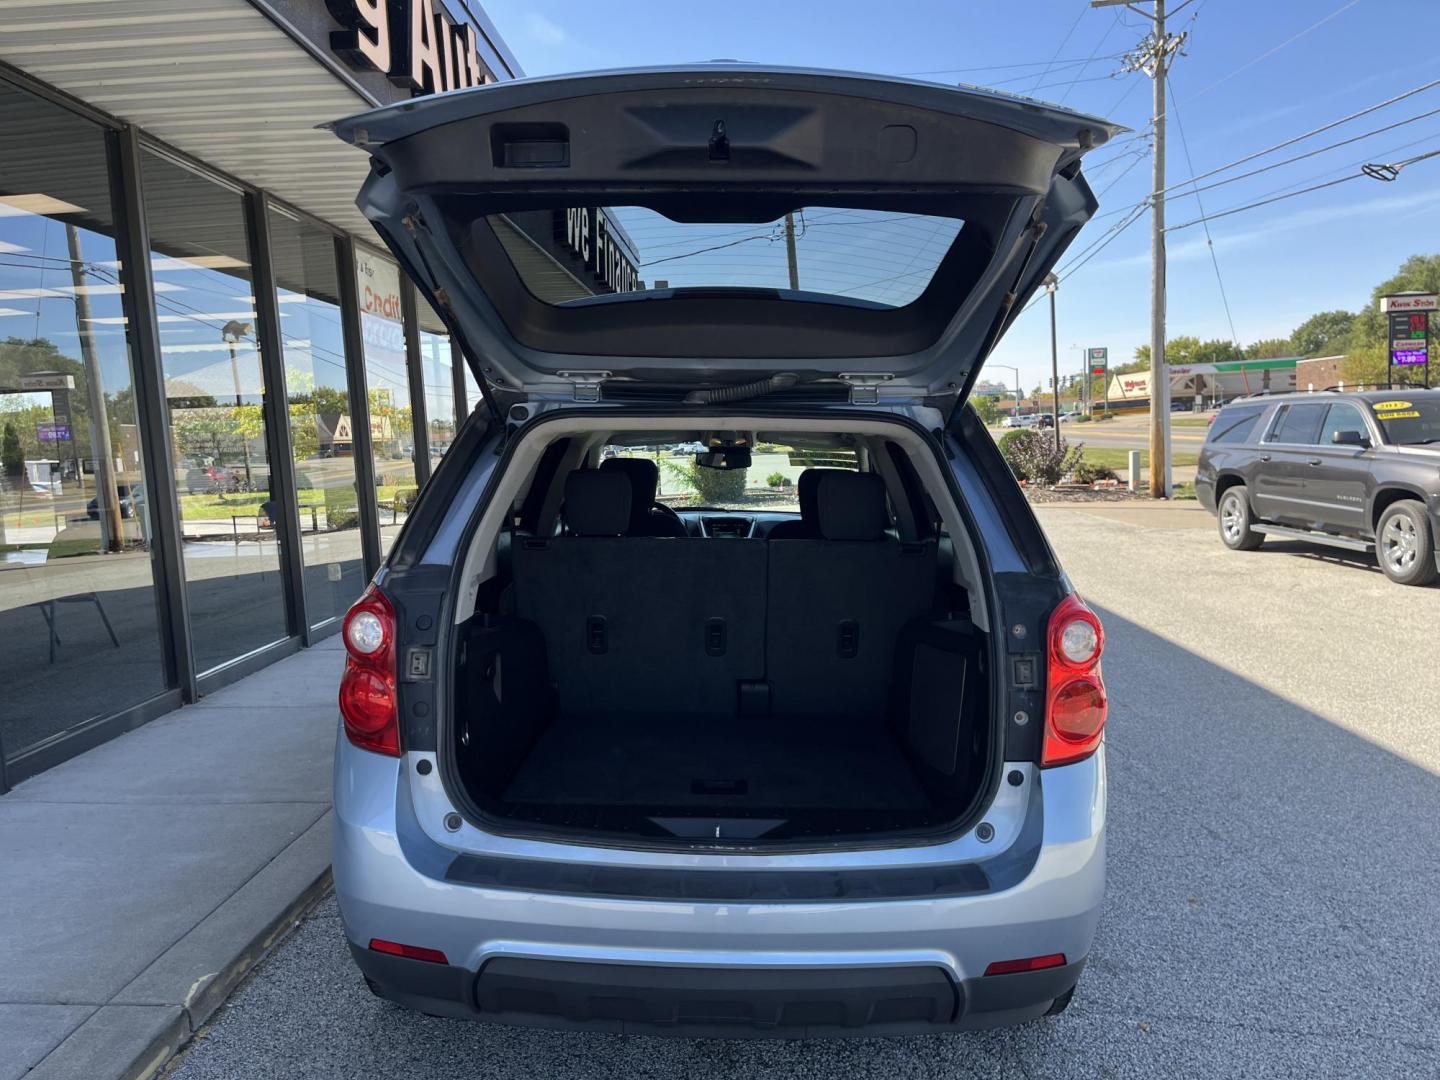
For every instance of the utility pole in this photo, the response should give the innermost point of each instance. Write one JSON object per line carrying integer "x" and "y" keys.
{"x": 1051, "y": 284}
{"x": 790, "y": 251}
{"x": 1154, "y": 57}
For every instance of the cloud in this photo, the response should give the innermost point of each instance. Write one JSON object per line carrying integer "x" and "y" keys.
{"x": 544, "y": 30}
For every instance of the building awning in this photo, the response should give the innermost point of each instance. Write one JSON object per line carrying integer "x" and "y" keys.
{"x": 217, "y": 79}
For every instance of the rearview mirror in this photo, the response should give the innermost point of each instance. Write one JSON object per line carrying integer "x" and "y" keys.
{"x": 729, "y": 457}
{"x": 1351, "y": 438}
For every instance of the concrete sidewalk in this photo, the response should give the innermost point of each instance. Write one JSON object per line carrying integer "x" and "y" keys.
{"x": 142, "y": 879}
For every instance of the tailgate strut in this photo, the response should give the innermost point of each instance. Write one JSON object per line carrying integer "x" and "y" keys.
{"x": 440, "y": 301}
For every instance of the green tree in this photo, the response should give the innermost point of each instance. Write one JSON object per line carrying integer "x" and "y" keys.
{"x": 1269, "y": 349}
{"x": 12, "y": 458}
{"x": 1323, "y": 334}
{"x": 985, "y": 407}
{"x": 1366, "y": 350}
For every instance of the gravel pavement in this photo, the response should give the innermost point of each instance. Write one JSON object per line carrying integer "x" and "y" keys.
{"x": 1274, "y": 745}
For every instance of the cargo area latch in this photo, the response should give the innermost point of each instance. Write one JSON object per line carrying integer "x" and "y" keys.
{"x": 417, "y": 663}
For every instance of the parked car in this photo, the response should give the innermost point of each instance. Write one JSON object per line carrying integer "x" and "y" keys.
{"x": 130, "y": 496}
{"x": 591, "y": 775}
{"x": 1349, "y": 470}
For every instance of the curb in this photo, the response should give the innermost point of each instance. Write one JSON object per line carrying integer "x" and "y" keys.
{"x": 139, "y": 1032}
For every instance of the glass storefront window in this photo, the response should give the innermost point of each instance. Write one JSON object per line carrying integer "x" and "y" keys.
{"x": 437, "y": 376}
{"x": 472, "y": 391}
{"x": 392, "y": 432}
{"x": 312, "y": 341}
{"x": 200, "y": 259}
{"x": 77, "y": 599}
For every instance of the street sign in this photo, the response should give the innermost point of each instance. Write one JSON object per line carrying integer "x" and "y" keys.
{"x": 1410, "y": 302}
{"x": 47, "y": 380}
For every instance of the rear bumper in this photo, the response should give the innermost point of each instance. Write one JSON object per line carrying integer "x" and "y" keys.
{"x": 715, "y": 1002}
{"x": 521, "y": 951}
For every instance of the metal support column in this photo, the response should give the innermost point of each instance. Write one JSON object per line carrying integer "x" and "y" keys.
{"x": 275, "y": 409}
{"x": 457, "y": 375}
{"x": 152, "y": 413}
{"x": 360, "y": 448}
{"x": 419, "y": 420}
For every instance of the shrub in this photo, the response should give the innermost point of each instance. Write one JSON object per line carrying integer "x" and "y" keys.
{"x": 1086, "y": 473}
{"x": 777, "y": 479}
{"x": 714, "y": 487}
{"x": 1033, "y": 455}
{"x": 1083, "y": 418}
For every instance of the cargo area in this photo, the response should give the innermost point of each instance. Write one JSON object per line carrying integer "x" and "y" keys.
{"x": 823, "y": 682}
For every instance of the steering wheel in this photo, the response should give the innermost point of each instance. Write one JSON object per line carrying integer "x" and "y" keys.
{"x": 669, "y": 512}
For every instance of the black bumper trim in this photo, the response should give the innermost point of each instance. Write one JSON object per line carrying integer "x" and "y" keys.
{"x": 715, "y": 1002}
{"x": 732, "y": 886}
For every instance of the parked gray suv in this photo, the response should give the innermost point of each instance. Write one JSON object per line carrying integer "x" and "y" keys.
{"x": 1359, "y": 471}
{"x": 818, "y": 755}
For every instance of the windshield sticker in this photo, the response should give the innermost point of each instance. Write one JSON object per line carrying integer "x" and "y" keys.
{"x": 1411, "y": 414}
{"x": 1382, "y": 405}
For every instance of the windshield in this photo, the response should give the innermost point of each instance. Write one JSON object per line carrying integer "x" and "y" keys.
{"x": 768, "y": 484}
{"x": 1408, "y": 421}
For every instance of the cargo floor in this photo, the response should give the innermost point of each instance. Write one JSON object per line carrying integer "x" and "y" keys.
{"x": 683, "y": 762}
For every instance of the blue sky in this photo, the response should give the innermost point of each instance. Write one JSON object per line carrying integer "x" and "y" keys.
{"x": 1247, "y": 83}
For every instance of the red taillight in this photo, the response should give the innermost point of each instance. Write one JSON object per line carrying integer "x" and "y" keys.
{"x": 410, "y": 952}
{"x": 1012, "y": 967}
{"x": 1075, "y": 704}
{"x": 367, "y": 689}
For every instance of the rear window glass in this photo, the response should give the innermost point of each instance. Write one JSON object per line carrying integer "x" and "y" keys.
{"x": 1236, "y": 425}
{"x": 768, "y": 484}
{"x": 1298, "y": 424}
{"x": 877, "y": 257}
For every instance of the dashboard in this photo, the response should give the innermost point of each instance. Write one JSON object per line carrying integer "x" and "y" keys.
{"x": 733, "y": 525}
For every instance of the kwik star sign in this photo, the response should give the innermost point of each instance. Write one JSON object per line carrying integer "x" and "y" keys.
{"x": 415, "y": 42}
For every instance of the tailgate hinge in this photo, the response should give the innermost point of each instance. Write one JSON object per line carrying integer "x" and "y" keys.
{"x": 586, "y": 383}
{"x": 865, "y": 386}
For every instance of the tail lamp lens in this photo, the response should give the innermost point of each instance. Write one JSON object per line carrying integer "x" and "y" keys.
{"x": 1075, "y": 701}
{"x": 368, "y": 702}
{"x": 365, "y": 633}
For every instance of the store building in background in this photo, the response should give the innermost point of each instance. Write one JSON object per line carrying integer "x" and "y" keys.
{"x": 218, "y": 395}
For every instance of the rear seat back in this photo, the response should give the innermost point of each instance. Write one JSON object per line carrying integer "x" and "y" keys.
{"x": 837, "y": 604}
{"x": 636, "y": 625}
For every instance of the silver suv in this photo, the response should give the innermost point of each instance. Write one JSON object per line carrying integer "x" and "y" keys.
{"x": 721, "y": 681}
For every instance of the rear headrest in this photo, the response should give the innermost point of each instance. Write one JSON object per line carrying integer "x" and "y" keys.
{"x": 851, "y": 505}
{"x": 597, "y": 503}
{"x": 643, "y": 476}
{"x": 805, "y": 489}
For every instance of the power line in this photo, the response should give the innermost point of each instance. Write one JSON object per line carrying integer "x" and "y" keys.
{"x": 1288, "y": 41}
{"x": 1063, "y": 42}
{"x": 1384, "y": 172}
{"x": 1005, "y": 67}
{"x": 1311, "y": 153}
{"x": 1209, "y": 241}
{"x": 1305, "y": 135}
{"x": 1108, "y": 31}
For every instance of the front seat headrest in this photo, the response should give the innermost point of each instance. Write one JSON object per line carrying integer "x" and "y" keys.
{"x": 851, "y": 505}
{"x": 597, "y": 503}
{"x": 643, "y": 476}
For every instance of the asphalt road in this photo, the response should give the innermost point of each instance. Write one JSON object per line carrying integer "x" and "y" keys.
{"x": 1274, "y": 744}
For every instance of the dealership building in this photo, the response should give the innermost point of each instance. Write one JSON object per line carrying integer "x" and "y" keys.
{"x": 218, "y": 395}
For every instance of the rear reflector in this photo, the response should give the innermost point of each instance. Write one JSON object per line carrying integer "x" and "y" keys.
{"x": 1030, "y": 963}
{"x": 411, "y": 952}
